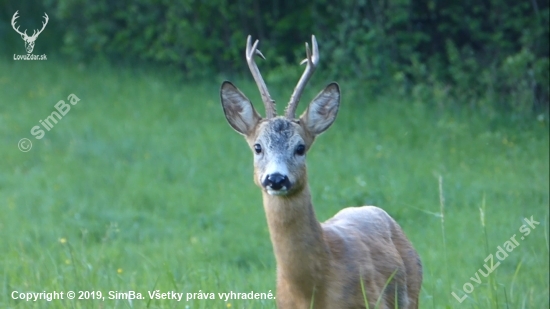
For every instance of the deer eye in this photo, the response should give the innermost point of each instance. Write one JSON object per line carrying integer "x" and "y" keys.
{"x": 300, "y": 150}
{"x": 257, "y": 148}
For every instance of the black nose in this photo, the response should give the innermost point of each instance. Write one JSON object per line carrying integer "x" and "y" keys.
{"x": 276, "y": 181}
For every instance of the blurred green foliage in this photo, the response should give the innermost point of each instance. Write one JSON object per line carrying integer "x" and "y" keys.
{"x": 490, "y": 55}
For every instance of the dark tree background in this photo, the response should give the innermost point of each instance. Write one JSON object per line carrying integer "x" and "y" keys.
{"x": 488, "y": 54}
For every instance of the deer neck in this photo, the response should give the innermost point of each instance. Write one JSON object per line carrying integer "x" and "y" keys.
{"x": 297, "y": 238}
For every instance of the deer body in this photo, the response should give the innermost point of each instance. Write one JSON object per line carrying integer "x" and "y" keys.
{"x": 319, "y": 263}
{"x": 331, "y": 258}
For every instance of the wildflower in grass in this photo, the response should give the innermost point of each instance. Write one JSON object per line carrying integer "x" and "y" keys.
{"x": 228, "y": 305}
{"x": 63, "y": 240}
{"x": 67, "y": 261}
{"x": 119, "y": 270}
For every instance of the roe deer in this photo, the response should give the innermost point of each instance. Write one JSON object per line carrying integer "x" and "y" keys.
{"x": 318, "y": 263}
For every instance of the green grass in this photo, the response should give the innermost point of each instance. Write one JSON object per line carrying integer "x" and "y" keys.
{"x": 143, "y": 186}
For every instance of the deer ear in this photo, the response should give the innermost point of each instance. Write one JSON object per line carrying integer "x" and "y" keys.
{"x": 322, "y": 111}
{"x": 238, "y": 110}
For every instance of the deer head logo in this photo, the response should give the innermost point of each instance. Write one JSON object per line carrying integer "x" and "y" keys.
{"x": 29, "y": 40}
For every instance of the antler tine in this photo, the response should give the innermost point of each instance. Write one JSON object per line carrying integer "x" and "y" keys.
{"x": 13, "y": 23}
{"x": 312, "y": 59}
{"x": 251, "y": 51}
{"x": 43, "y": 25}
{"x": 45, "y": 22}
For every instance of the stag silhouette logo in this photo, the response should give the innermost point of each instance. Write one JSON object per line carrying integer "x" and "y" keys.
{"x": 29, "y": 40}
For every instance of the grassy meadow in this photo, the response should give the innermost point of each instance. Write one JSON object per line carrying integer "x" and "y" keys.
{"x": 143, "y": 186}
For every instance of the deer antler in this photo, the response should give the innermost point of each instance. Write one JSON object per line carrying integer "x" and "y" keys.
{"x": 13, "y": 24}
{"x": 34, "y": 34}
{"x": 251, "y": 51}
{"x": 312, "y": 60}
{"x": 43, "y": 26}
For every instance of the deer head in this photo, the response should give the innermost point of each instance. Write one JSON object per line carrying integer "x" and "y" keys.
{"x": 280, "y": 143}
{"x": 29, "y": 40}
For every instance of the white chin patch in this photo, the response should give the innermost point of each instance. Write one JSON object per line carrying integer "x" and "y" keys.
{"x": 283, "y": 191}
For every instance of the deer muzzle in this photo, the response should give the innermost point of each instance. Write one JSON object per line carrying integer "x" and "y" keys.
{"x": 276, "y": 184}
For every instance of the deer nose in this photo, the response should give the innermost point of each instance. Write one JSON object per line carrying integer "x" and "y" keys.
{"x": 276, "y": 181}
